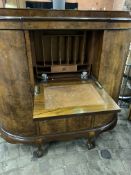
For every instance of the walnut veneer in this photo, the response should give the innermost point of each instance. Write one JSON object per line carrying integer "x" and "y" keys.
{"x": 62, "y": 45}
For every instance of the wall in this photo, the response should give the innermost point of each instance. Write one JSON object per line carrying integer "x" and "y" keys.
{"x": 128, "y": 5}
{"x": 84, "y": 4}
{"x": 95, "y": 4}
{"x": 18, "y": 3}
{"x": 100, "y": 4}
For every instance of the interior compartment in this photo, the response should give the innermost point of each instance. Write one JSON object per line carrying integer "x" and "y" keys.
{"x": 65, "y": 52}
{"x": 60, "y": 55}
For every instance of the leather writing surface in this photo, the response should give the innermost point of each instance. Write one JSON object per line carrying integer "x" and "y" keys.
{"x": 64, "y": 99}
{"x": 71, "y": 95}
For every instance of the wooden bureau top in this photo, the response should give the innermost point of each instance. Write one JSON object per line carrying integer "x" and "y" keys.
{"x": 63, "y": 19}
{"x": 81, "y": 97}
{"x": 72, "y": 14}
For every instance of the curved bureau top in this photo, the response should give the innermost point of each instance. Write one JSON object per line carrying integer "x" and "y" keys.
{"x": 46, "y": 19}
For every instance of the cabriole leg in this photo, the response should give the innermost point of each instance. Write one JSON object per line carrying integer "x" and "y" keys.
{"x": 41, "y": 150}
{"x": 91, "y": 140}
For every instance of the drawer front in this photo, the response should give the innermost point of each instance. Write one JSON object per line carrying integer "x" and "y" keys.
{"x": 77, "y": 123}
{"x": 72, "y": 124}
{"x": 52, "y": 126}
{"x": 102, "y": 119}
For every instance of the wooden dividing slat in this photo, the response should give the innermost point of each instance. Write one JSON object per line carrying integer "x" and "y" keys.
{"x": 75, "y": 49}
{"x": 82, "y": 48}
{"x": 51, "y": 50}
{"x": 43, "y": 49}
{"x": 38, "y": 45}
{"x": 54, "y": 49}
{"x": 60, "y": 49}
{"x": 68, "y": 49}
{"x": 47, "y": 49}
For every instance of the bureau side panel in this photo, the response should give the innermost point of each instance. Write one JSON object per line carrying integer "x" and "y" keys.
{"x": 15, "y": 94}
{"x": 114, "y": 53}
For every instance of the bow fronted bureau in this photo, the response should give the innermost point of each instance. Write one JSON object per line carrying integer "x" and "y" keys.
{"x": 60, "y": 73}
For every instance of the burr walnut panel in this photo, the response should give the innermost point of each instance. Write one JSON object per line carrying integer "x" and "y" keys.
{"x": 15, "y": 85}
{"x": 74, "y": 123}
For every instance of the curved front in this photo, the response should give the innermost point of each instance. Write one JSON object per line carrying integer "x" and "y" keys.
{"x": 15, "y": 94}
{"x": 65, "y": 129}
{"x": 34, "y": 43}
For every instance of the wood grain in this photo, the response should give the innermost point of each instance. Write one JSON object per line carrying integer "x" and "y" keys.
{"x": 113, "y": 58}
{"x": 29, "y": 47}
{"x": 58, "y": 100}
{"x": 74, "y": 124}
{"x": 15, "y": 111}
{"x": 71, "y": 24}
{"x": 63, "y": 13}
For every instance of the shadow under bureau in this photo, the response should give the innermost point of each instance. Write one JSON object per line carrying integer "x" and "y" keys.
{"x": 60, "y": 73}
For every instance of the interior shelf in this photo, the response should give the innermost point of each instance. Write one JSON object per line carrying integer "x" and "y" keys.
{"x": 65, "y": 48}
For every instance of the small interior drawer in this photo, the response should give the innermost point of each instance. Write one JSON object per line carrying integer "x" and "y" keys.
{"x": 64, "y": 68}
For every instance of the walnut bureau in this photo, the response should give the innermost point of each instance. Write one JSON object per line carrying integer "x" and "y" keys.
{"x": 60, "y": 73}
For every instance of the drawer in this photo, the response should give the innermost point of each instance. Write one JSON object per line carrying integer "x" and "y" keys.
{"x": 60, "y": 68}
{"x": 72, "y": 124}
{"x": 102, "y": 119}
{"x": 78, "y": 123}
{"x": 52, "y": 126}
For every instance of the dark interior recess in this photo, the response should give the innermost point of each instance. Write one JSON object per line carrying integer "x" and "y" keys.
{"x": 66, "y": 51}
{"x": 40, "y": 5}
{"x": 72, "y": 6}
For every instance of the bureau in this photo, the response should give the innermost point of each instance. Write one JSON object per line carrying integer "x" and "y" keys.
{"x": 60, "y": 73}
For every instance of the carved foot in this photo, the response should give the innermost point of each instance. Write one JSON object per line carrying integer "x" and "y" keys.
{"x": 91, "y": 140}
{"x": 40, "y": 151}
{"x": 90, "y": 145}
